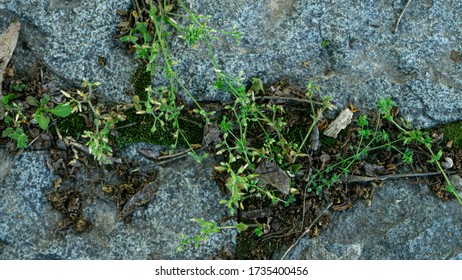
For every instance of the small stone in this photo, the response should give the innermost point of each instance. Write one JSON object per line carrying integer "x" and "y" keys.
{"x": 455, "y": 56}
{"x": 456, "y": 181}
{"x": 448, "y": 163}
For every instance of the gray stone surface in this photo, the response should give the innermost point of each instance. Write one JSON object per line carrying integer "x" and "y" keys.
{"x": 364, "y": 60}
{"x": 28, "y": 223}
{"x": 69, "y": 36}
{"x": 405, "y": 221}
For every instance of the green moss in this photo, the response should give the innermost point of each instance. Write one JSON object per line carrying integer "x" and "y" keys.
{"x": 141, "y": 131}
{"x": 326, "y": 140}
{"x": 140, "y": 80}
{"x": 453, "y": 131}
{"x": 296, "y": 134}
{"x": 72, "y": 125}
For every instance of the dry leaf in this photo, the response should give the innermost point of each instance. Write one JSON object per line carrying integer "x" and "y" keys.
{"x": 142, "y": 197}
{"x": 212, "y": 135}
{"x": 271, "y": 174}
{"x": 340, "y": 123}
{"x": 8, "y": 40}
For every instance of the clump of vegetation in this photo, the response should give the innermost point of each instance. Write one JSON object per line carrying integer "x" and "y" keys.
{"x": 274, "y": 156}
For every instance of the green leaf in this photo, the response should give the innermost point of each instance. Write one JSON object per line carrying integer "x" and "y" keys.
{"x": 153, "y": 11}
{"x": 21, "y": 139}
{"x": 8, "y": 119}
{"x": 241, "y": 227}
{"x": 142, "y": 28}
{"x": 62, "y": 110}
{"x": 42, "y": 119}
{"x": 7, "y": 98}
{"x": 19, "y": 87}
{"x": 32, "y": 101}
{"x": 257, "y": 86}
{"x": 129, "y": 38}
{"x": 7, "y": 132}
{"x": 18, "y": 135}
{"x": 44, "y": 100}
{"x": 436, "y": 157}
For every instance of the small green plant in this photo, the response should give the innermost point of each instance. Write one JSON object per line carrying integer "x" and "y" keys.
{"x": 19, "y": 87}
{"x": 413, "y": 135}
{"x": 254, "y": 132}
{"x": 16, "y": 134}
{"x": 11, "y": 112}
{"x": 42, "y": 114}
{"x": 207, "y": 228}
{"x": 12, "y": 115}
{"x": 98, "y": 140}
{"x": 373, "y": 139}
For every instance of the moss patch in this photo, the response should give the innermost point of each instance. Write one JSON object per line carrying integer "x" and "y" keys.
{"x": 73, "y": 125}
{"x": 141, "y": 131}
{"x": 140, "y": 80}
{"x": 453, "y": 132}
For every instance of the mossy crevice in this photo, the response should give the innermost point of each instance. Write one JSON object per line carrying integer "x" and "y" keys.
{"x": 137, "y": 128}
{"x": 140, "y": 80}
{"x": 453, "y": 132}
{"x": 73, "y": 125}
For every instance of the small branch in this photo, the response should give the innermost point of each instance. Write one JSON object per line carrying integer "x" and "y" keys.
{"x": 161, "y": 160}
{"x": 179, "y": 153}
{"x": 401, "y": 15}
{"x": 40, "y": 134}
{"x": 358, "y": 179}
{"x": 293, "y": 99}
{"x": 307, "y": 230}
{"x": 125, "y": 126}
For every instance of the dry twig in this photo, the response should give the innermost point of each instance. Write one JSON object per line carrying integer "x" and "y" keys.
{"x": 358, "y": 179}
{"x": 401, "y": 15}
{"x": 307, "y": 230}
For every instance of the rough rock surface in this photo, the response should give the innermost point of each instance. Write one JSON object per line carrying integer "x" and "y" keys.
{"x": 364, "y": 59}
{"x": 28, "y": 227}
{"x": 405, "y": 221}
{"x": 419, "y": 66}
{"x": 71, "y": 37}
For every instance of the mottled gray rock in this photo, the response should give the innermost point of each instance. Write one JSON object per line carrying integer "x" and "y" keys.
{"x": 405, "y": 221}
{"x": 70, "y": 37}
{"x": 365, "y": 59}
{"x": 28, "y": 222}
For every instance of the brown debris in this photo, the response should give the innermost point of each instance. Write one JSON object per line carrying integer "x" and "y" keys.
{"x": 8, "y": 40}
{"x": 271, "y": 174}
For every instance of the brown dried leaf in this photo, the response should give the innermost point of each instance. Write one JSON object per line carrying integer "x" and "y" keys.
{"x": 142, "y": 197}
{"x": 8, "y": 40}
{"x": 373, "y": 169}
{"x": 212, "y": 135}
{"x": 271, "y": 174}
